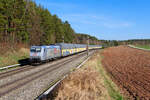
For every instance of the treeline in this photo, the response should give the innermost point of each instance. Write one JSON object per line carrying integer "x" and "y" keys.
{"x": 83, "y": 39}
{"x": 125, "y": 42}
{"x": 23, "y": 21}
{"x": 136, "y": 42}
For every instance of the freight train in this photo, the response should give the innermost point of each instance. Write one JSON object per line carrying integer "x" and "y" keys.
{"x": 45, "y": 53}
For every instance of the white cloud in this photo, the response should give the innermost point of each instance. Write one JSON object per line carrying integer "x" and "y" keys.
{"x": 97, "y": 20}
{"x": 118, "y": 25}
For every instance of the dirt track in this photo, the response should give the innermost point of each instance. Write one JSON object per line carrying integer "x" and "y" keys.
{"x": 130, "y": 70}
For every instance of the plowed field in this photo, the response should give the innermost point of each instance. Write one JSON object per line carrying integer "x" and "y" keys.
{"x": 130, "y": 70}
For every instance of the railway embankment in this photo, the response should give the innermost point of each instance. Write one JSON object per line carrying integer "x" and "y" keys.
{"x": 28, "y": 82}
{"x": 11, "y": 57}
{"x": 90, "y": 82}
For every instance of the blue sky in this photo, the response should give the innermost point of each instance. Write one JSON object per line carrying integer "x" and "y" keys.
{"x": 105, "y": 19}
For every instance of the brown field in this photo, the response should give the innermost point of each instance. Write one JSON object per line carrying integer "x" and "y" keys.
{"x": 130, "y": 70}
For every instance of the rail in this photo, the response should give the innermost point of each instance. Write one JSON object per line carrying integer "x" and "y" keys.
{"x": 13, "y": 85}
{"x": 48, "y": 91}
{"x": 11, "y": 66}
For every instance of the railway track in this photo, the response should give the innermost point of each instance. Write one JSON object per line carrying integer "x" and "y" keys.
{"x": 15, "y": 84}
{"x": 18, "y": 70}
{"x": 15, "y": 71}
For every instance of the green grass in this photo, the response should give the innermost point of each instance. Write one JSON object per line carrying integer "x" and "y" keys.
{"x": 143, "y": 46}
{"x": 10, "y": 58}
{"x": 111, "y": 87}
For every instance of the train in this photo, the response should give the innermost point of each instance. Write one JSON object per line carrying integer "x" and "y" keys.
{"x": 49, "y": 52}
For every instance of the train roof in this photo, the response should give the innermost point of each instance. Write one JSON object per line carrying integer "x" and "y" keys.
{"x": 69, "y": 45}
{"x": 46, "y": 46}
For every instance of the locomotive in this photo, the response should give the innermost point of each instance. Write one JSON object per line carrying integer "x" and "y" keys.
{"x": 45, "y": 53}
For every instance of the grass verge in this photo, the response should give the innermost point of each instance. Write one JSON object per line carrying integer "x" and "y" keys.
{"x": 90, "y": 82}
{"x": 112, "y": 89}
{"x": 12, "y": 57}
{"x": 143, "y": 46}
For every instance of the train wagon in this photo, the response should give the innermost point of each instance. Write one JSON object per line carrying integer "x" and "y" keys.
{"x": 67, "y": 49}
{"x": 44, "y": 53}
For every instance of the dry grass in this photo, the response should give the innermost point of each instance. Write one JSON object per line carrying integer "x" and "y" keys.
{"x": 84, "y": 84}
{"x": 11, "y": 54}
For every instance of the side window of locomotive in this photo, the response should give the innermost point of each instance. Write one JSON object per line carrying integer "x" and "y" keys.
{"x": 38, "y": 49}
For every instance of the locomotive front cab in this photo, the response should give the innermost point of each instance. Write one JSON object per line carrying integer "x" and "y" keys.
{"x": 35, "y": 54}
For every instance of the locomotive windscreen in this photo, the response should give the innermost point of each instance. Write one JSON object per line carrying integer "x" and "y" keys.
{"x": 37, "y": 49}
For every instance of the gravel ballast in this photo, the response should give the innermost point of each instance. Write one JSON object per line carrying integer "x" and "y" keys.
{"x": 33, "y": 89}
